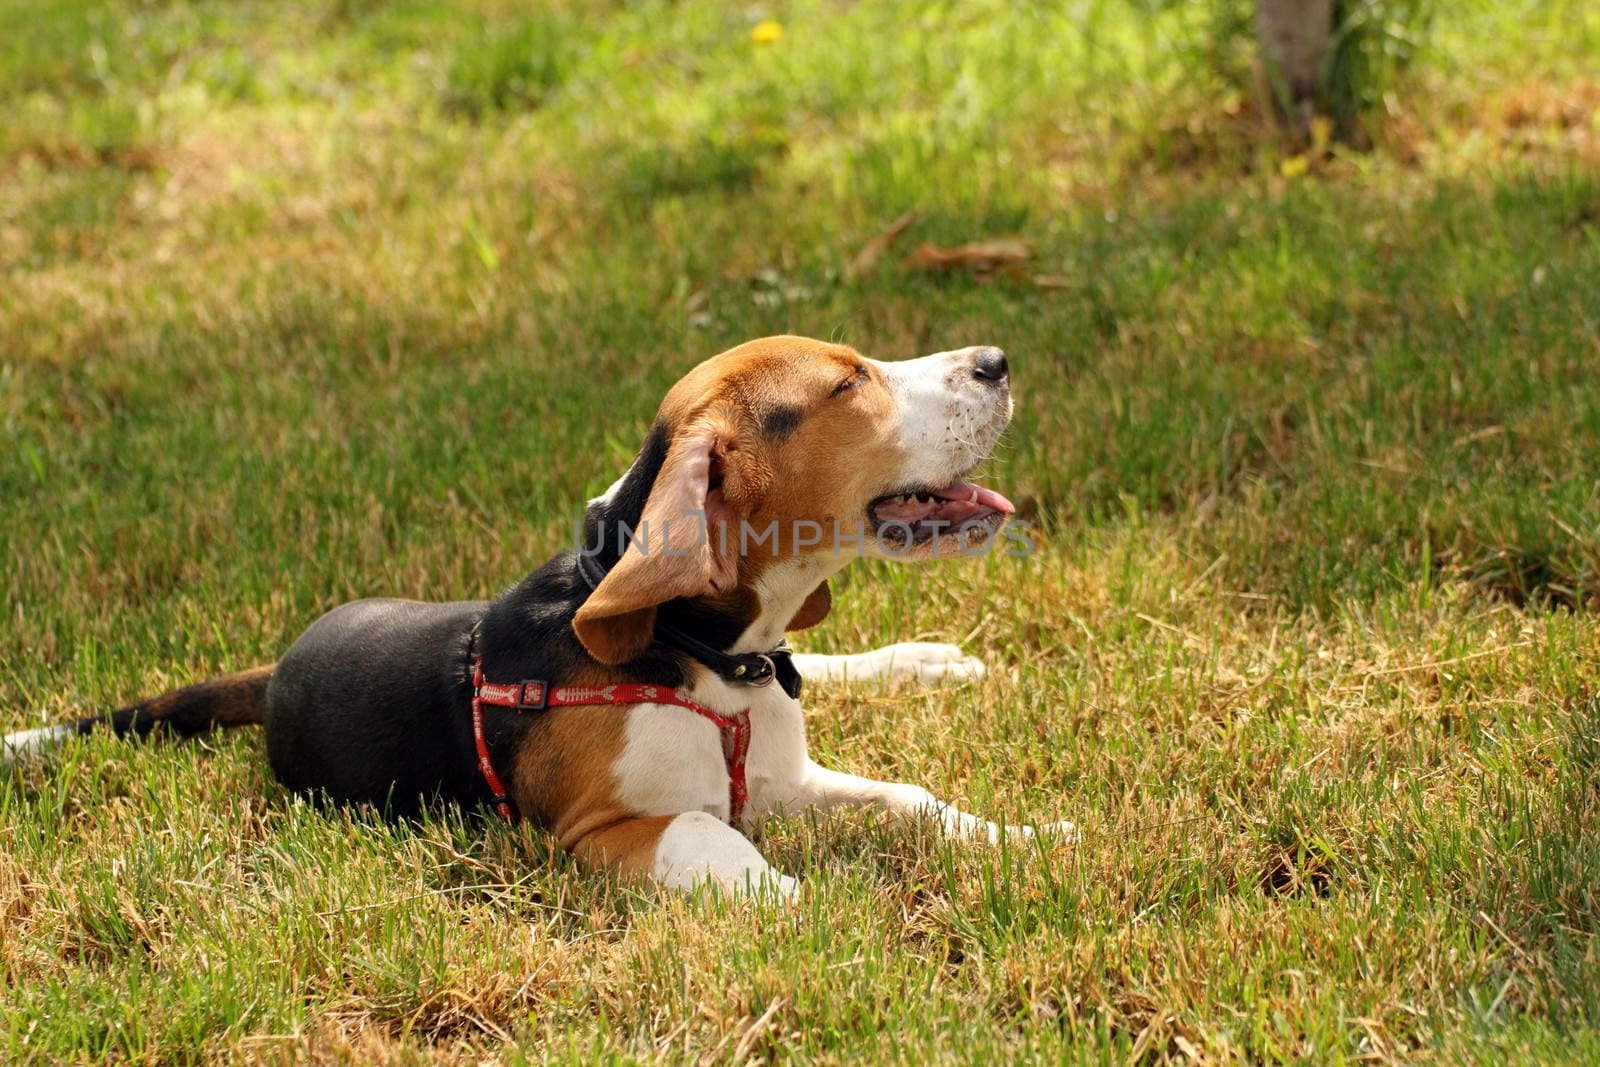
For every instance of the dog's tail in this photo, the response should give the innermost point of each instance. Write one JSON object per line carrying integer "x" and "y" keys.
{"x": 234, "y": 700}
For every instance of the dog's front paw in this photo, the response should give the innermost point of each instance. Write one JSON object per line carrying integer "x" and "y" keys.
{"x": 928, "y": 662}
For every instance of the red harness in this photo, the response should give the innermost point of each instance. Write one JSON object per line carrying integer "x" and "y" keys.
{"x": 536, "y": 696}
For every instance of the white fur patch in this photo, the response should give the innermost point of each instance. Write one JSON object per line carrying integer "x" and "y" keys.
{"x": 25, "y": 744}
{"x": 782, "y": 590}
{"x": 671, "y": 762}
{"x": 611, "y": 490}
{"x": 696, "y": 848}
{"x": 912, "y": 661}
{"x": 948, "y": 420}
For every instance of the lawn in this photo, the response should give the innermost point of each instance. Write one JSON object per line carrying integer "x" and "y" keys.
{"x": 300, "y": 303}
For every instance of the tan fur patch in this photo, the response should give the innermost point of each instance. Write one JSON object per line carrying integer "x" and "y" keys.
{"x": 241, "y": 698}
{"x": 628, "y": 846}
{"x": 232, "y": 700}
{"x": 563, "y": 777}
{"x": 813, "y": 610}
{"x": 826, "y": 466}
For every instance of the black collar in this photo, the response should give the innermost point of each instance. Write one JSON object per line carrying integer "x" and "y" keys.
{"x": 738, "y": 668}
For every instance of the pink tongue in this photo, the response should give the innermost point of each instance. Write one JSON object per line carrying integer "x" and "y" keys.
{"x": 977, "y": 494}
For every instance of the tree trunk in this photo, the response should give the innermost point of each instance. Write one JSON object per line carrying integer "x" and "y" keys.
{"x": 1294, "y": 36}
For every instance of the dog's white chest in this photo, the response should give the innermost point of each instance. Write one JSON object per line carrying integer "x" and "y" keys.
{"x": 778, "y": 755}
{"x": 672, "y": 758}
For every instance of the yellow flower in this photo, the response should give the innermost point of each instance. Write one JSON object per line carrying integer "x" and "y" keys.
{"x": 1294, "y": 166}
{"x": 767, "y": 31}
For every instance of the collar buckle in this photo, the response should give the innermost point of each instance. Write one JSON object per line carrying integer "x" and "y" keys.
{"x": 533, "y": 696}
{"x": 762, "y": 674}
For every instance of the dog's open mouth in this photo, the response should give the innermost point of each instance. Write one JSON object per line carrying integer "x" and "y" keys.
{"x": 916, "y": 516}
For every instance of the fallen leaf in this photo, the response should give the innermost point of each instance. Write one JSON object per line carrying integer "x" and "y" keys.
{"x": 978, "y": 257}
{"x": 873, "y": 250}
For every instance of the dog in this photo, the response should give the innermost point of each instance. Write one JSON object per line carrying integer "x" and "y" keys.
{"x": 635, "y": 695}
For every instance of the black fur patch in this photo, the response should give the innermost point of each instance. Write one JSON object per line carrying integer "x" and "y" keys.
{"x": 606, "y": 525}
{"x": 780, "y": 422}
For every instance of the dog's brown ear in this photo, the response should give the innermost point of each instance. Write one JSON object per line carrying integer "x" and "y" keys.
{"x": 685, "y": 545}
{"x": 814, "y": 610}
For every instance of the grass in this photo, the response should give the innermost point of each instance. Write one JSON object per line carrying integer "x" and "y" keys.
{"x": 1308, "y": 648}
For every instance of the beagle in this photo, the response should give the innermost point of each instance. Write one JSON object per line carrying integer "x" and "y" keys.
{"x": 634, "y": 695}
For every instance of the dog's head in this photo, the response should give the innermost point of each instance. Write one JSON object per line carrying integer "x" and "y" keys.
{"x": 772, "y": 464}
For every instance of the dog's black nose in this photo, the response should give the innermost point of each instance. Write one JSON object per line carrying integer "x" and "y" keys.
{"x": 989, "y": 364}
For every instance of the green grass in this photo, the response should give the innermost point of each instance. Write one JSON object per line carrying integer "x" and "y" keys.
{"x": 1308, "y": 649}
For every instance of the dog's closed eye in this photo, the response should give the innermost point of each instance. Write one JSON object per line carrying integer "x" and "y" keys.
{"x": 861, "y": 375}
